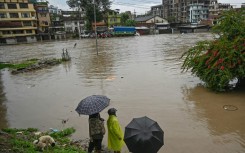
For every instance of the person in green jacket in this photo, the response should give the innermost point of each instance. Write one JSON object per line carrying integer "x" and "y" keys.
{"x": 115, "y": 133}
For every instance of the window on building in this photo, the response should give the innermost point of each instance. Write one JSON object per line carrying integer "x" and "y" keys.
{"x": 69, "y": 29}
{"x": 23, "y": 5}
{"x": 27, "y": 23}
{"x": 18, "y": 31}
{"x": 16, "y": 24}
{"x": 43, "y": 14}
{"x": 68, "y": 23}
{"x": 2, "y": 6}
{"x": 12, "y": 6}
{"x": 28, "y": 31}
{"x": 25, "y": 15}
{"x": 14, "y": 15}
{"x": 6, "y": 32}
{"x": 3, "y": 15}
{"x": 43, "y": 9}
{"x": 45, "y": 22}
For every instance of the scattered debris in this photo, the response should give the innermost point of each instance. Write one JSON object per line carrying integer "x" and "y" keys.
{"x": 53, "y": 130}
{"x": 64, "y": 121}
{"x": 19, "y": 132}
{"x": 37, "y": 133}
{"x": 65, "y": 55}
{"x": 110, "y": 78}
{"x": 230, "y": 107}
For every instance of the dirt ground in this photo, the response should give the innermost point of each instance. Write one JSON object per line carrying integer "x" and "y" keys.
{"x": 5, "y": 146}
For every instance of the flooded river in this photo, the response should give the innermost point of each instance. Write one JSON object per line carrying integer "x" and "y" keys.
{"x": 141, "y": 76}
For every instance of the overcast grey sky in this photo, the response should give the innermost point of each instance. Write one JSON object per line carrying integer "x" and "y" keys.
{"x": 139, "y": 6}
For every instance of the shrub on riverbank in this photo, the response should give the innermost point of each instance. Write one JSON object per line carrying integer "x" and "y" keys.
{"x": 21, "y": 141}
{"x": 220, "y": 61}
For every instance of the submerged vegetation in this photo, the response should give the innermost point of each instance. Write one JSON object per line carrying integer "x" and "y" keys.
{"x": 21, "y": 141}
{"x": 23, "y": 64}
{"x": 35, "y": 64}
{"x": 222, "y": 60}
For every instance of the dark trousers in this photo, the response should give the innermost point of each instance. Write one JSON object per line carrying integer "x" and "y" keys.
{"x": 96, "y": 143}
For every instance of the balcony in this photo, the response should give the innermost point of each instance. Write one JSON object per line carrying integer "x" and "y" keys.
{"x": 7, "y": 24}
{"x": 57, "y": 25}
{"x": 44, "y": 24}
{"x": 42, "y": 11}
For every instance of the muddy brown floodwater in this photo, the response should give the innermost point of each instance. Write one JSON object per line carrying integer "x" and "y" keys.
{"x": 141, "y": 76}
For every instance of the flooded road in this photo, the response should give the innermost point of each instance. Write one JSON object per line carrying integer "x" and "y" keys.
{"x": 141, "y": 76}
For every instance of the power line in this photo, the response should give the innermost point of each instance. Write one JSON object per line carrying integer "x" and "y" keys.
{"x": 147, "y": 1}
{"x": 131, "y": 5}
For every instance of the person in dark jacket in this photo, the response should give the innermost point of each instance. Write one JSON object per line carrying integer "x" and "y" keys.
{"x": 96, "y": 132}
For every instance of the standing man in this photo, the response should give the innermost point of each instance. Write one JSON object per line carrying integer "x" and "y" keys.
{"x": 96, "y": 132}
{"x": 115, "y": 133}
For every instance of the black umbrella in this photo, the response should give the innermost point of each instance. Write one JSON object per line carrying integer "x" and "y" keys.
{"x": 92, "y": 104}
{"x": 143, "y": 135}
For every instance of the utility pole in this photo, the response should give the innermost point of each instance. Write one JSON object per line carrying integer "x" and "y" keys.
{"x": 95, "y": 28}
{"x": 154, "y": 13}
{"x": 79, "y": 19}
{"x": 78, "y": 24}
{"x": 134, "y": 14}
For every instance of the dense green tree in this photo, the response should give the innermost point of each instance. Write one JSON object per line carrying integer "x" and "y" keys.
{"x": 222, "y": 60}
{"x": 130, "y": 23}
{"x": 101, "y": 7}
{"x": 124, "y": 18}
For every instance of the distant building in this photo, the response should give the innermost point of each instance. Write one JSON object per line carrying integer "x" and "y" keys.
{"x": 56, "y": 28}
{"x": 43, "y": 18}
{"x": 243, "y": 5}
{"x": 198, "y": 12}
{"x": 100, "y": 26}
{"x": 215, "y": 10}
{"x": 178, "y": 11}
{"x": 54, "y": 10}
{"x": 157, "y": 10}
{"x": 113, "y": 18}
{"x": 151, "y": 21}
{"x": 73, "y": 21}
{"x": 18, "y": 22}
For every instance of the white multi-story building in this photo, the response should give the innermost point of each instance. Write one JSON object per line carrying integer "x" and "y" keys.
{"x": 198, "y": 12}
{"x": 54, "y": 10}
{"x": 71, "y": 20}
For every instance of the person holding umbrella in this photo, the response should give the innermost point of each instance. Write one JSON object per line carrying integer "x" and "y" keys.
{"x": 115, "y": 133}
{"x": 96, "y": 132}
{"x": 92, "y": 106}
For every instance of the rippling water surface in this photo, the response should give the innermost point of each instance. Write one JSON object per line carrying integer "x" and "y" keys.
{"x": 141, "y": 75}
